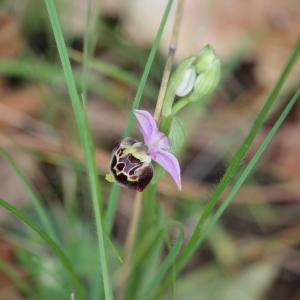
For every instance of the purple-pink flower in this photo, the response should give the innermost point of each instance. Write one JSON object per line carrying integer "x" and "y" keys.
{"x": 158, "y": 145}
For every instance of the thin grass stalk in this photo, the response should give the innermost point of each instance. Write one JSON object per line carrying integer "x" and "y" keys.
{"x": 193, "y": 243}
{"x": 33, "y": 195}
{"x": 132, "y": 231}
{"x": 15, "y": 277}
{"x": 115, "y": 190}
{"x": 130, "y": 239}
{"x": 241, "y": 152}
{"x": 137, "y": 204}
{"x": 166, "y": 74}
{"x": 169, "y": 62}
{"x": 250, "y": 166}
{"x": 169, "y": 260}
{"x": 86, "y": 54}
{"x": 51, "y": 243}
{"x": 246, "y": 171}
{"x": 106, "y": 68}
{"x": 142, "y": 250}
{"x": 86, "y": 141}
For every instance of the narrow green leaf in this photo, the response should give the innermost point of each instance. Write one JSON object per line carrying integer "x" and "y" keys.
{"x": 176, "y": 135}
{"x": 107, "y": 69}
{"x": 115, "y": 190}
{"x": 257, "y": 125}
{"x": 193, "y": 243}
{"x": 32, "y": 193}
{"x": 246, "y": 171}
{"x": 86, "y": 141}
{"x": 9, "y": 271}
{"x": 250, "y": 166}
{"x": 86, "y": 54}
{"x": 51, "y": 243}
{"x": 168, "y": 262}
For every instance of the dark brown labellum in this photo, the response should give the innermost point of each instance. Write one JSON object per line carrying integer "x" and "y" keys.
{"x": 131, "y": 165}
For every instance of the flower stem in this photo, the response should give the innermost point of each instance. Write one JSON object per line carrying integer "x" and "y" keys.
{"x": 169, "y": 62}
{"x": 130, "y": 241}
{"x": 132, "y": 230}
{"x": 159, "y": 104}
{"x": 137, "y": 205}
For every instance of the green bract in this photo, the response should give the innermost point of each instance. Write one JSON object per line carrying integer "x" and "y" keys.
{"x": 205, "y": 58}
{"x": 194, "y": 78}
{"x": 174, "y": 83}
{"x": 206, "y": 81}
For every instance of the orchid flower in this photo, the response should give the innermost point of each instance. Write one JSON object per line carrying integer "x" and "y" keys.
{"x": 131, "y": 160}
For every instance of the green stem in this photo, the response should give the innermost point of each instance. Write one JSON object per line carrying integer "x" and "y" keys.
{"x": 51, "y": 243}
{"x": 244, "y": 174}
{"x": 193, "y": 243}
{"x": 179, "y": 105}
{"x": 115, "y": 190}
{"x": 169, "y": 62}
{"x": 10, "y": 272}
{"x": 86, "y": 141}
{"x": 34, "y": 196}
{"x": 85, "y": 66}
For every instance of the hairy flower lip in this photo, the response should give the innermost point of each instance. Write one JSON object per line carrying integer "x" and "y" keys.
{"x": 130, "y": 165}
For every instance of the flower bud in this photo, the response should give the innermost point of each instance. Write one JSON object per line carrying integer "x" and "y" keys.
{"x": 187, "y": 82}
{"x": 195, "y": 78}
{"x": 205, "y": 59}
{"x": 179, "y": 82}
{"x": 207, "y": 82}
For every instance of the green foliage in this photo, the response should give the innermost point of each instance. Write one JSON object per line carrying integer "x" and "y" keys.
{"x": 198, "y": 233}
{"x": 213, "y": 283}
{"x": 115, "y": 190}
{"x": 86, "y": 142}
{"x": 33, "y": 195}
{"x": 51, "y": 243}
{"x": 89, "y": 263}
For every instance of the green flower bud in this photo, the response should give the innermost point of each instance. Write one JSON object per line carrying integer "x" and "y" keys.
{"x": 205, "y": 59}
{"x": 176, "y": 82}
{"x": 206, "y": 82}
{"x": 187, "y": 82}
{"x": 194, "y": 78}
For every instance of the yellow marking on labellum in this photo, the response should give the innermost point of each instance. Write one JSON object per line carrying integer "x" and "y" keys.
{"x": 109, "y": 177}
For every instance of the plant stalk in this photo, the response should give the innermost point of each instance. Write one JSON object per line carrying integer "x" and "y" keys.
{"x": 137, "y": 205}
{"x": 169, "y": 62}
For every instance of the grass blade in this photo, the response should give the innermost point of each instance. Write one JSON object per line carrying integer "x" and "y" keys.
{"x": 115, "y": 190}
{"x": 139, "y": 93}
{"x": 110, "y": 70}
{"x": 257, "y": 125}
{"x": 193, "y": 243}
{"x": 35, "y": 198}
{"x": 10, "y": 272}
{"x": 244, "y": 174}
{"x": 50, "y": 242}
{"x": 251, "y": 164}
{"x": 86, "y": 54}
{"x": 168, "y": 262}
{"x": 86, "y": 141}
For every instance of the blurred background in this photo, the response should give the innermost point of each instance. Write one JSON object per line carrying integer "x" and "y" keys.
{"x": 254, "y": 252}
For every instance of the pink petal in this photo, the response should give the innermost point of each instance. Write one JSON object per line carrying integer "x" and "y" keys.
{"x": 160, "y": 141}
{"x": 152, "y": 136}
{"x": 147, "y": 125}
{"x": 170, "y": 163}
